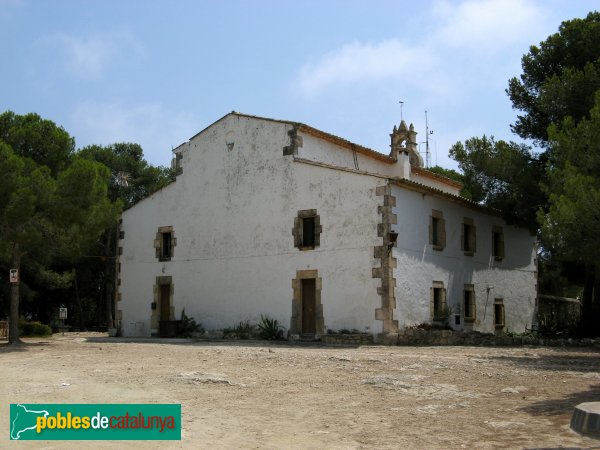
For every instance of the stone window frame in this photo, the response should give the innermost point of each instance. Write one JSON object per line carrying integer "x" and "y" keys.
{"x": 296, "y": 319}
{"x": 297, "y": 231}
{"x": 159, "y": 240}
{"x": 468, "y": 244}
{"x": 499, "y": 314}
{"x": 443, "y": 306}
{"x": 469, "y": 296}
{"x": 497, "y": 243}
{"x": 436, "y": 220}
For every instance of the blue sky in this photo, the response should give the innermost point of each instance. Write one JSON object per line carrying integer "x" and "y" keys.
{"x": 157, "y": 72}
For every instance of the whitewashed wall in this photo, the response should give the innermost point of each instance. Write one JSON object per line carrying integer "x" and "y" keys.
{"x": 513, "y": 279}
{"x": 233, "y": 212}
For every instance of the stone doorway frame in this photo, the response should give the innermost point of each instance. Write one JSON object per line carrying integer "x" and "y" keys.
{"x": 155, "y": 317}
{"x": 296, "y": 319}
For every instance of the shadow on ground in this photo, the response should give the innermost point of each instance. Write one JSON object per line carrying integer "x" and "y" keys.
{"x": 208, "y": 343}
{"x": 575, "y": 360}
{"x": 565, "y": 405}
{"x": 5, "y": 347}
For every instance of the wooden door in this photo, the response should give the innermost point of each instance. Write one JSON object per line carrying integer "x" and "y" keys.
{"x": 165, "y": 302}
{"x": 308, "y": 306}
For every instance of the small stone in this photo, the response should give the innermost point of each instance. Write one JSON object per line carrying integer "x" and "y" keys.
{"x": 510, "y": 390}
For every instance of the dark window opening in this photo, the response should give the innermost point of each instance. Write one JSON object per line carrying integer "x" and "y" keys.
{"x": 468, "y": 231}
{"x": 166, "y": 245}
{"x": 469, "y": 305}
{"x": 498, "y": 245}
{"x": 308, "y": 232}
{"x": 499, "y": 314}
{"x": 435, "y": 231}
{"x": 438, "y": 302}
{"x": 468, "y": 237}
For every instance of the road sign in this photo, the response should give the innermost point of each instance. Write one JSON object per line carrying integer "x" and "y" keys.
{"x": 62, "y": 313}
{"x": 14, "y": 275}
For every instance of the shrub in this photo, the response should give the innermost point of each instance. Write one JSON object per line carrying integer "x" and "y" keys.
{"x": 270, "y": 329}
{"x": 243, "y": 330}
{"x": 187, "y": 326}
{"x": 34, "y": 329}
{"x": 443, "y": 316}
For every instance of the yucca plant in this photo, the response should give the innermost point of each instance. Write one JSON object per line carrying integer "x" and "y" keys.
{"x": 270, "y": 329}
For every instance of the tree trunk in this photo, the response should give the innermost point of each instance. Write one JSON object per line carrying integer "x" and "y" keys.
{"x": 13, "y": 326}
{"x": 590, "y": 311}
{"x": 78, "y": 300}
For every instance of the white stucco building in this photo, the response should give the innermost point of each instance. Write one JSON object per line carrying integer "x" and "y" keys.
{"x": 275, "y": 217}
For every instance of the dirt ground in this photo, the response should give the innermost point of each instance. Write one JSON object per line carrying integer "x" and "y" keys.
{"x": 248, "y": 394}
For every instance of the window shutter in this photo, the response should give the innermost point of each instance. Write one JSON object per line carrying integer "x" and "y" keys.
{"x": 431, "y": 302}
{"x": 173, "y": 244}
{"x": 501, "y": 245}
{"x": 157, "y": 244}
{"x": 318, "y": 230}
{"x": 430, "y": 230}
{"x": 462, "y": 237}
{"x": 297, "y": 232}
{"x": 442, "y": 232}
{"x": 473, "y": 239}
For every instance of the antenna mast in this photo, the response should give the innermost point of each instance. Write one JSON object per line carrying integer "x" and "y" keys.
{"x": 427, "y": 133}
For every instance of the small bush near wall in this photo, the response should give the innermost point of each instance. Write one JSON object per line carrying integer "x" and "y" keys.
{"x": 188, "y": 327}
{"x": 243, "y": 330}
{"x": 270, "y": 329}
{"x": 34, "y": 329}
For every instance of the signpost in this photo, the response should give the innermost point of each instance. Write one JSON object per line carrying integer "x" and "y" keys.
{"x": 62, "y": 315}
{"x": 13, "y": 276}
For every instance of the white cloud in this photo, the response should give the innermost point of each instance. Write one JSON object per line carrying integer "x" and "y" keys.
{"x": 463, "y": 48}
{"x": 152, "y": 126}
{"x": 95, "y": 54}
{"x": 485, "y": 25}
{"x": 388, "y": 60}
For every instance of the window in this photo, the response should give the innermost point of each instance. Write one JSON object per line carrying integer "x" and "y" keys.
{"x": 468, "y": 238}
{"x": 165, "y": 250}
{"x": 165, "y": 243}
{"x": 439, "y": 311}
{"x": 497, "y": 243}
{"x": 437, "y": 230}
{"x": 307, "y": 230}
{"x": 499, "y": 313}
{"x": 469, "y": 303}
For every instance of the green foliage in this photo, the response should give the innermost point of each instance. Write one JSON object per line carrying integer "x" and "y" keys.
{"x": 131, "y": 177}
{"x": 242, "y": 330}
{"x": 559, "y": 79}
{"x": 41, "y": 140}
{"x": 453, "y": 175}
{"x": 502, "y": 175}
{"x": 269, "y": 328}
{"x": 188, "y": 327}
{"x": 551, "y": 325}
{"x": 571, "y": 226}
{"x": 443, "y": 316}
{"x": 34, "y": 329}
